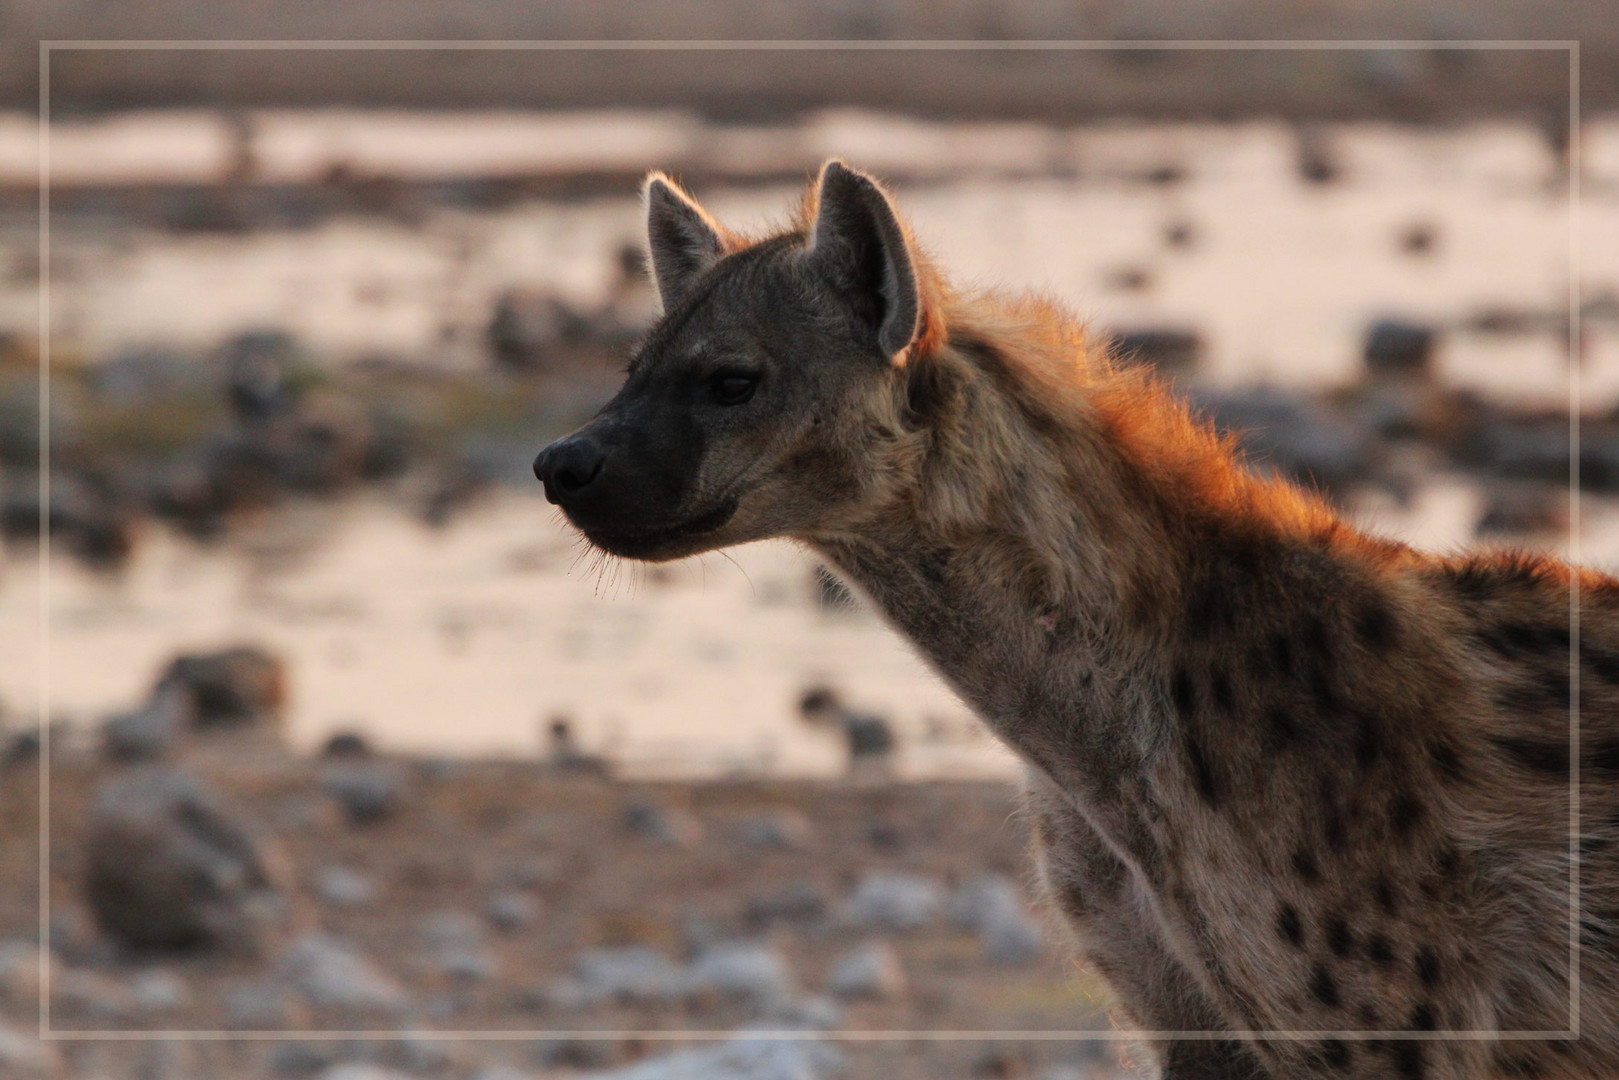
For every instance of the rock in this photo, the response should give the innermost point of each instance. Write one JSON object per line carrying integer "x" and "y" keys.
{"x": 159, "y": 992}
{"x": 244, "y": 685}
{"x": 1170, "y": 351}
{"x": 360, "y": 1070}
{"x": 346, "y": 745}
{"x": 663, "y": 824}
{"x": 166, "y": 866}
{"x": 511, "y": 910}
{"x": 20, "y": 964}
{"x": 92, "y": 996}
{"x": 741, "y": 969}
{"x": 786, "y": 829}
{"x": 342, "y": 887}
{"x": 1395, "y": 348}
{"x": 299, "y": 1058}
{"x": 333, "y": 976}
{"x": 888, "y": 900}
{"x": 872, "y": 970}
{"x": 264, "y": 1006}
{"x": 1302, "y": 439}
{"x": 502, "y": 1072}
{"x": 628, "y": 974}
{"x": 814, "y": 1012}
{"x": 368, "y": 791}
{"x": 869, "y": 738}
{"x": 258, "y": 373}
{"x": 798, "y": 901}
{"x": 743, "y": 1058}
{"x": 991, "y": 907}
{"x": 527, "y": 326}
{"x": 23, "y": 1055}
{"x": 147, "y": 733}
{"x": 456, "y": 943}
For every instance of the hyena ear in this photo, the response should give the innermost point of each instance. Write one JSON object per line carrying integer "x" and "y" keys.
{"x": 681, "y": 238}
{"x": 857, "y": 238}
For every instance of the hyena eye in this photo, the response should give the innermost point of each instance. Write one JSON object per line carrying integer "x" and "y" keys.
{"x": 733, "y": 387}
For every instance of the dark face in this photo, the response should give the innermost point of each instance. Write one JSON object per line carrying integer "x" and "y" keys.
{"x": 727, "y": 428}
{"x": 752, "y": 408}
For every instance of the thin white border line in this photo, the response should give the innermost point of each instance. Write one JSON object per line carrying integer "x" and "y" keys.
{"x": 810, "y": 45}
{"x": 44, "y": 539}
{"x": 1571, "y": 46}
{"x": 1575, "y": 360}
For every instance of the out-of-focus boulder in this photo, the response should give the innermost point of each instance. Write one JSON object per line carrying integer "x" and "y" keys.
{"x": 243, "y": 685}
{"x": 167, "y": 866}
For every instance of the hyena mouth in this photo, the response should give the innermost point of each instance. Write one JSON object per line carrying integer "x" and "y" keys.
{"x": 664, "y": 542}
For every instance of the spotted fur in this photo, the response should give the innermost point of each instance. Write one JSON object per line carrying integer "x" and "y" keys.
{"x": 1286, "y": 777}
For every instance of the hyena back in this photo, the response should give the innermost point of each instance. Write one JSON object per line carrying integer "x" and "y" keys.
{"x": 1304, "y": 796}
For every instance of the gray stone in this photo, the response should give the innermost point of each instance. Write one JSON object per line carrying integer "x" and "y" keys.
{"x": 632, "y": 974}
{"x": 786, "y": 829}
{"x": 159, "y": 992}
{"x": 263, "y": 1006}
{"x": 150, "y": 731}
{"x": 167, "y": 866}
{"x": 746, "y": 1057}
{"x": 22, "y": 1055}
{"x": 333, "y": 976}
{"x": 341, "y": 887}
{"x": 299, "y": 1058}
{"x": 872, "y": 970}
{"x": 368, "y": 791}
{"x": 663, "y": 824}
{"x": 991, "y": 907}
{"x": 511, "y": 910}
{"x": 360, "y": 1070}
{"x": 742, "y": 969}
{"x": 888, "y": 900}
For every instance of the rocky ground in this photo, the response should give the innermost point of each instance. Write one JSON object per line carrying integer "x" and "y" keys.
{"x": 227, "y": 886}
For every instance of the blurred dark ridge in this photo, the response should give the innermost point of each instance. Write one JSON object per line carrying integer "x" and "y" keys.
{"x": 1426, "y": 85}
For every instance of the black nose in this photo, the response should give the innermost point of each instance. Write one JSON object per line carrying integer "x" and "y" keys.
{"x": 568, "y": 466}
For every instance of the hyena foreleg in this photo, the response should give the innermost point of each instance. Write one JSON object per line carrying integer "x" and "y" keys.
{"x": 1155, "y": 991}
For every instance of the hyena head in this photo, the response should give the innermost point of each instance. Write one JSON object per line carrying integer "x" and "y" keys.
{"x": 755, "y": 405}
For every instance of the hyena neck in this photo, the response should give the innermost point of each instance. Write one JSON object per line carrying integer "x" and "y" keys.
{"x": 1054, "y": 524}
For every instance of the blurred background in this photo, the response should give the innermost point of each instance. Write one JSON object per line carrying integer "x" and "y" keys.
{"x": 347, "y": 731}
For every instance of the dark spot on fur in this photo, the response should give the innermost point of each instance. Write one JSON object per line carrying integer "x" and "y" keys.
{"x": 1604, "y": 664}
{"x": 1535, "y": 755}
{"x": 1374, "y": 625}
{"x": 1336, "y": 1053}
{"x": 1322, "y": 690}
{"x": 1379, "y": 951}
{"x": 1442, "y": 752}
{"x": 1305, "y": 866}
{"x": 1281, "y": 654}
{"x": 1422, "y": 1018}
{"x": 1447, "y": 860}
{"x": 1202, "y": 772}
{"x": 1384, "y": 894}
{"x": 1368, "y": 741}
{"x": 1279, "y": 729}
{"x": 1289, "y": 926}
{"x": 1427, "y": 966}
{"x": 1602, "y": 756}
{"x": 1183, "y": 692}
{"x": 1220, "y": 688}
{"x": 1410, "y": 1060}
{"x": 1340, "y": 938}
{"x": 1404, "y": 813}
{"x": 1332, "y": 822}
{"x": 1323, "y": 987}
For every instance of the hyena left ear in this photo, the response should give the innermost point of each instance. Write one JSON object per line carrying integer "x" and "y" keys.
{"x": 858, "y": 239}
{"x": 682, "y": 239}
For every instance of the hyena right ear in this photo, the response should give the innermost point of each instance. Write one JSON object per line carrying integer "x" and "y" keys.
{"x": 857, "y": 239}
{"x": 681, "y": 238}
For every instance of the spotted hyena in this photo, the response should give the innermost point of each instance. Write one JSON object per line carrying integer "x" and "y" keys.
{"x": 1287, "y": 778}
